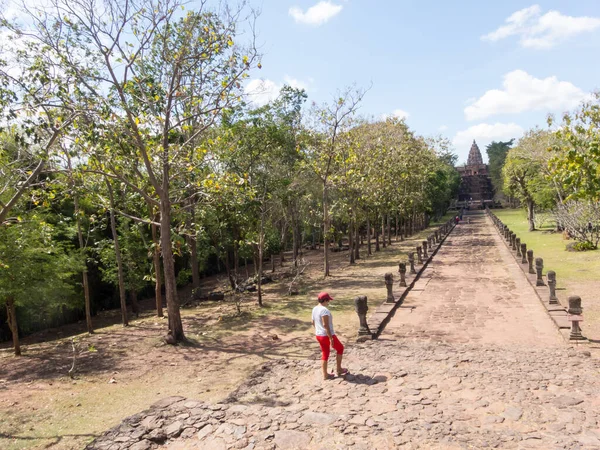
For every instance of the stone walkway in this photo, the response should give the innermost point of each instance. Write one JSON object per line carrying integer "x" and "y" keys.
{"x": 471, "y": 360}
{"x": 473, "y": 291}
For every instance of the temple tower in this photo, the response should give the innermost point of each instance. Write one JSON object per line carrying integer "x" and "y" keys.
{"x": 476, "y": 184}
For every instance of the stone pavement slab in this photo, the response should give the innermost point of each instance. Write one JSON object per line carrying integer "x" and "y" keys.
{"x": 473, "y": 291}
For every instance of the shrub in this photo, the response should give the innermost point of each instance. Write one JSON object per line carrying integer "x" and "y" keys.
{"x": 584, "y": 246}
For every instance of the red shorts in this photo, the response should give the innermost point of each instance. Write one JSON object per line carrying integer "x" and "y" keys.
{"x": 326, "y": 346}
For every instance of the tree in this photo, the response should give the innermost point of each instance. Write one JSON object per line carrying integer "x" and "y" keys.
{"x": 581, "y": 219}
{"x": 525, "y": 173}
{"x": 35, "y": 269}
{"x": 330, "y": 121}
{"x": 260, "y": 147}
{"x": 575, "y": 162}
{"x": 153, "y": 77}
{"x": 497, "y": 152}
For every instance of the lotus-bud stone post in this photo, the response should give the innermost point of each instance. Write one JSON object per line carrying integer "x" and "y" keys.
{"x": 389, "y": 284}
{"x": 411, "y": 261}
{"x": 552, "y": 286}
{"x": 530, "y": 261}
{"x": 402, "y": 270}
{"x": 361, "y": 307}
{"x": 576, "y": 310}
{"x": 539, "y": 266}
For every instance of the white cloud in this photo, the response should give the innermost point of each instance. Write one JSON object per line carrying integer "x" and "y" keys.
{"x": 522, "y": 92}
{"x": 397, "y": 113}
{"x": 443, "y": 128}
{"x": 295, "y": 83}
{"x": 317, "y": 14}
{"x": 484, "y": 133}
{"x": 263, "y": 91}
{"x": 542, "y": 31}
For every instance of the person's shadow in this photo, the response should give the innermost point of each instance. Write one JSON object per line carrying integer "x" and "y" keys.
{"x": 359, "y": 378}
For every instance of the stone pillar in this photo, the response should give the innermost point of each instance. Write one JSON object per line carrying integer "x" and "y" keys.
{"x": 575, "y": 309}
{"x": 419, "y": 255}
{"x": 389, "y": 285}
{"x": 524, "y": 253}
{"x": 552, "y": 286}
{"x": 425, "y": 254}
{"x": 402, "y": 270}
{"x": 437, "y": 237}
{"x": 430, "y": 242}
{"x": 518, "y": 245}
{"x": 468, "y": 220}
{"x": 411, "y": 261}
{"x": 513, "y": 241}
{"x": 539, "y": 266}
{"x": 530, "y": 261}
{"x": 361, "y": 307}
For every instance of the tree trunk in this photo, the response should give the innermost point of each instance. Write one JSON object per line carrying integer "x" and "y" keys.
{"x": 121, "y": 274}
{"x": 396, "y": 228}
{"x": 272, "y": 263}
{"x": 389, "y": 229}
{"x": 296, "y": 244}
{"x": 232, "y": 280}
{"x": 402, "y": 230}
{"x": 236, "y": 255}
{"x": 246, "y": 268}
{"x": 135, "y": 306}
{"x": 376, "y": 237}
{"x": 530, "y": 214}
{"x": 175, "y": 323}
{"x": 12, "y": 324}
{"x": 86, "y": 284}
{"x": 282, "y": 244}
{"x": 351, "y": 242}
{"x": 325, "y": 232}
{"x": 383, "y": 239}
{"x": 369, "y": 252}
{"x": 261, "y": 246}
{"x": 254, "y": 259}
{"x": 356, "y": 240}
{"x": 193, "y": 243}
{"x": 156, "y": 262}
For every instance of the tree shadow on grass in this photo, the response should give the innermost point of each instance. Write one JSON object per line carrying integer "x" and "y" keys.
{"x": 54, "y": 440}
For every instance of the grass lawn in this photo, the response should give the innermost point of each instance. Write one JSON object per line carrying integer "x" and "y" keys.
{"x": 551, "y": 246}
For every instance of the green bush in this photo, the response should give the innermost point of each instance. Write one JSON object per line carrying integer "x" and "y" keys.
{"x": 583, "y": 246}
{"x": 184, "y": 277}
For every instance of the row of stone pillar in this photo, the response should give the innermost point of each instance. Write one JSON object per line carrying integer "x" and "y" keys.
{"x": 423, "y": 252}
{"x": 535, "y": 267}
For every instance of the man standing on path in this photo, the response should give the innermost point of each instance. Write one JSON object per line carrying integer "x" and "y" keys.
{"x": 323, "y": 323}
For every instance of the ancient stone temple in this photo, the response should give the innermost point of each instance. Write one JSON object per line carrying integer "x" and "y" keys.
{"x": 476, "y": 185}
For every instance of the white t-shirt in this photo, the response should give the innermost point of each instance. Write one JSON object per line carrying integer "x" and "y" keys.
{"x": 317, "y": 316}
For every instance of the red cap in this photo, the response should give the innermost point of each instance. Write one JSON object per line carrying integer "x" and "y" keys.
{"x": 324, "y": 296}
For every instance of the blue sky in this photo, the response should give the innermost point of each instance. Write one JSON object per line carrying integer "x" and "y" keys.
{"x": 466, "y": 69}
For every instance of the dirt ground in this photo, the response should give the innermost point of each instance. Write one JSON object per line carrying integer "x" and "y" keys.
{"x": 120, "y": 371}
